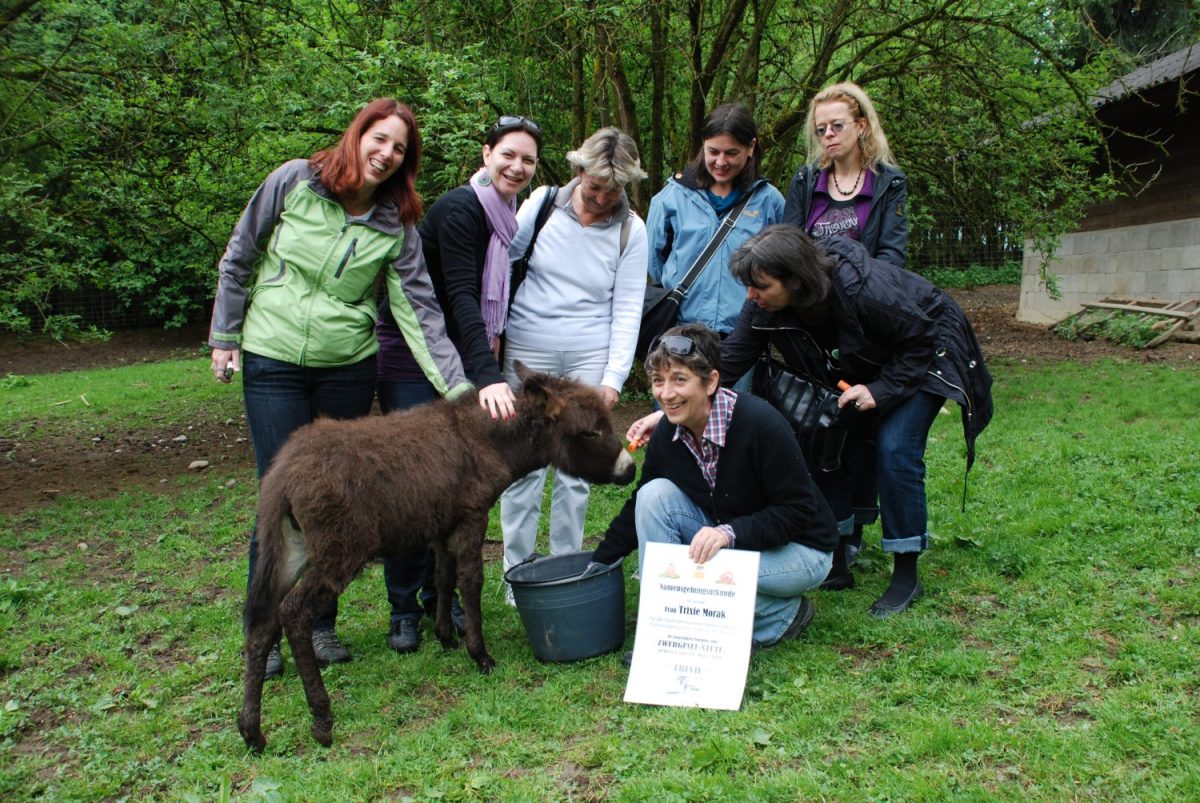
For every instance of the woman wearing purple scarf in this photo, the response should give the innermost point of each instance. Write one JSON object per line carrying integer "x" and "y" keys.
{"x": 465, "y": 238}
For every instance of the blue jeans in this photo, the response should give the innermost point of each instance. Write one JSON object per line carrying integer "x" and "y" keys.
{"x": 903, "y": 433}
{"x": 282, "y": 397}
{"x": 665, "y": 514}
{"x": 405, "y": 577}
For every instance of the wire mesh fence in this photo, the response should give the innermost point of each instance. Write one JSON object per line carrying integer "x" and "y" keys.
{"x": 933, "y": 252}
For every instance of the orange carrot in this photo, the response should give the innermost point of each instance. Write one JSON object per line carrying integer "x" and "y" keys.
{"x": 843, "y": 385}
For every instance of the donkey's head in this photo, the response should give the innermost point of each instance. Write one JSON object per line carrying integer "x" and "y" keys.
{"x": 578, "y": 428}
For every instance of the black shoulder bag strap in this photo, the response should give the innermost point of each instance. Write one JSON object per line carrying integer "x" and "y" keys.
{"x": 731, "y": 219}
{"x": 521, "y": 266}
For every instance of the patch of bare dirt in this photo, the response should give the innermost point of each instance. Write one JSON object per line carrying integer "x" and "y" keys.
{"x": 993, "y": 311}
{"x": 36, "y": 469}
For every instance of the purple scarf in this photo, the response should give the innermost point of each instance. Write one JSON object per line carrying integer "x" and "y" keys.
{"x": 502, "y": 217}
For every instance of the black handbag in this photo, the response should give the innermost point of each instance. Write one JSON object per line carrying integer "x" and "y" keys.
{"x": 660, "y": 307}
{"x": 810, "y": 408}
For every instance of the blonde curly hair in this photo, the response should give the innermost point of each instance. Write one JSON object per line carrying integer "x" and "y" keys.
{"x": 873, "y": 142}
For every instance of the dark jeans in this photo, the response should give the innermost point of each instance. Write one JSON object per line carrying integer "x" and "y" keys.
{"x": 406, "y": 577}
{"x": 282, "y": 397}
{"x": 903, "y": 434}
{"x": 896, "y": 452}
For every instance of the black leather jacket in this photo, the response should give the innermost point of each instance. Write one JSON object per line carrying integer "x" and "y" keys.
{"x": 895, "y": 333}
{"x": 885, "y": 233}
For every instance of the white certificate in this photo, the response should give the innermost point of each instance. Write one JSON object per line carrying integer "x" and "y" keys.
{"x": 694, "y": 628}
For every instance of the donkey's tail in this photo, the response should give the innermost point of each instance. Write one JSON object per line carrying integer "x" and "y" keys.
{"x": 263, "y": 595}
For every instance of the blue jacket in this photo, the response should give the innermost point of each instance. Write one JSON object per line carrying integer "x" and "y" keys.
{"x": 681, "y": 223}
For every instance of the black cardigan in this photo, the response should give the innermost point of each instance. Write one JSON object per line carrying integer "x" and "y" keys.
{"x": 454, "y": 239}
{"x": 763, "y": 488}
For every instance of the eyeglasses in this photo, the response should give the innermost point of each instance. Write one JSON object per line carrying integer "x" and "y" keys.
{"x": 679, "y": 345}
{"x": 837, "y": 127}
{"x": 516, "y": 121}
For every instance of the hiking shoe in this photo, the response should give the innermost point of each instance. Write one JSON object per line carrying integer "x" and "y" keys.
{"x": 328, "y": 648}
{"x": 405, "y": 636}
{"x": 274, "y": 663}
{"x": 804, "y": 616}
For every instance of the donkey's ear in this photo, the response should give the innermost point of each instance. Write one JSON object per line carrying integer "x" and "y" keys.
{"x": 523, "y": 370}
{"x": 541, "y": 392}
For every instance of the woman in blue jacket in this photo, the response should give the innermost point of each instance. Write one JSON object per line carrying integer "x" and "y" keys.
{"x": 687, "y": 212}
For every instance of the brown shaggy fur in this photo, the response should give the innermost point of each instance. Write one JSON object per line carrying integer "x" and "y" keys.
{"x": 341, "y": 493}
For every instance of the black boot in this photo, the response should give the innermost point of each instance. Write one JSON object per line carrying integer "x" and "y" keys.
{"x": 839, "y": 577}
{"x": 903, "y": 589}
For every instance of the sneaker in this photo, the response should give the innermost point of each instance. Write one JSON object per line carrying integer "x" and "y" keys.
{"x": 627, "y": 659}
{"x": 328, "y": 648}
{"x": 804, "y": 616}
{"x": 509, "y": 599}
{"x": 274, "y": 663}
{"x": 405, "y": 636}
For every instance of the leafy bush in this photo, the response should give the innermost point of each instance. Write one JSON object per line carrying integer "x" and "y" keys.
{"x": 1123, "y": 328}
{"x": 975, "y": 275}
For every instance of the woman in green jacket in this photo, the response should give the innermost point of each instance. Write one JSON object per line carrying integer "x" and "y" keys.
{"x": 295, "y": 306}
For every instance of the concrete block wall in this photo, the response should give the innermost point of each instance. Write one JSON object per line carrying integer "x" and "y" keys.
{"x": 1156, "y": 260}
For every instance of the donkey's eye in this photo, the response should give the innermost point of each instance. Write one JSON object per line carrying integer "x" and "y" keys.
{"x": 591, "y": 434}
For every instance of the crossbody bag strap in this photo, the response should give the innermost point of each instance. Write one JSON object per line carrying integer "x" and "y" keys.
{"x": 521, "y": 266}
{"x": 706, "y": 255}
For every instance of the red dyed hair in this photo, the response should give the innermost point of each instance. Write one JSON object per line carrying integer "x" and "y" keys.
{"x": 341, "y": 167}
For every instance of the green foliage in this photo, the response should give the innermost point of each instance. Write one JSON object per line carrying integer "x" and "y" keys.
{"x": 975, "y": 275}
{"x": 132, "y": 133}
{"x": 14, "y": 381}
{"x": 1121, "y": 327}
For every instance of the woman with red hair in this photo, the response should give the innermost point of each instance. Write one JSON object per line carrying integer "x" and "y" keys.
{"x": 295, "y": 305}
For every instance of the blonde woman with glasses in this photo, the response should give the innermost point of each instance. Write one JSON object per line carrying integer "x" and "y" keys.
{"x": 851, "y": 188}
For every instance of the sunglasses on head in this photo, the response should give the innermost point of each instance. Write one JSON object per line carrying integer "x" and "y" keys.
{"x": 516, "y": 121}
{"x": 679, "y": 345}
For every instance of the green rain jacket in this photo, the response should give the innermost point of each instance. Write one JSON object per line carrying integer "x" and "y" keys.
{"x": 297, "y": 282}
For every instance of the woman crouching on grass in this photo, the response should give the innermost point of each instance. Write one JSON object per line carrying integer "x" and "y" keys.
{"x": 724, "y": 471}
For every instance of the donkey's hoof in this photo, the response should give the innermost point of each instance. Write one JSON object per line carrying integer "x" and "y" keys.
{"x": 253, "y": 737}
{"x": 449, "y": 643}
{"x": 323, "y": 734}
{"x": 486, "y": 664}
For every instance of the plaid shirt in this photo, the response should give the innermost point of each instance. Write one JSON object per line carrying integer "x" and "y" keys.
{"x": 707, "y": 450}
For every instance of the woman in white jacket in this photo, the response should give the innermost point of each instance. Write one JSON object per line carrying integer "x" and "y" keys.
{"x": 575, "y": 313}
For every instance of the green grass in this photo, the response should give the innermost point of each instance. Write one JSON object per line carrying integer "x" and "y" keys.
{"x": 1054, "y": 656}
{"x": 140, "y": 395}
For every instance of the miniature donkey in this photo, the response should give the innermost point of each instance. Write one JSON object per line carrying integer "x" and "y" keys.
{"x": 341, "y": 493}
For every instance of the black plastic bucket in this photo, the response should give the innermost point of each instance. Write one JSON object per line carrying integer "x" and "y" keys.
{"x": 569, "y": 617}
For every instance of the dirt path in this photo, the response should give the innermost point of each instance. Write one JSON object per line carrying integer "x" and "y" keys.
{"x": 34, "y": 471}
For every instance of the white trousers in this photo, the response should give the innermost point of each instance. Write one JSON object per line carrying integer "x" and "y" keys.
{"x": 521, "y": 504}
